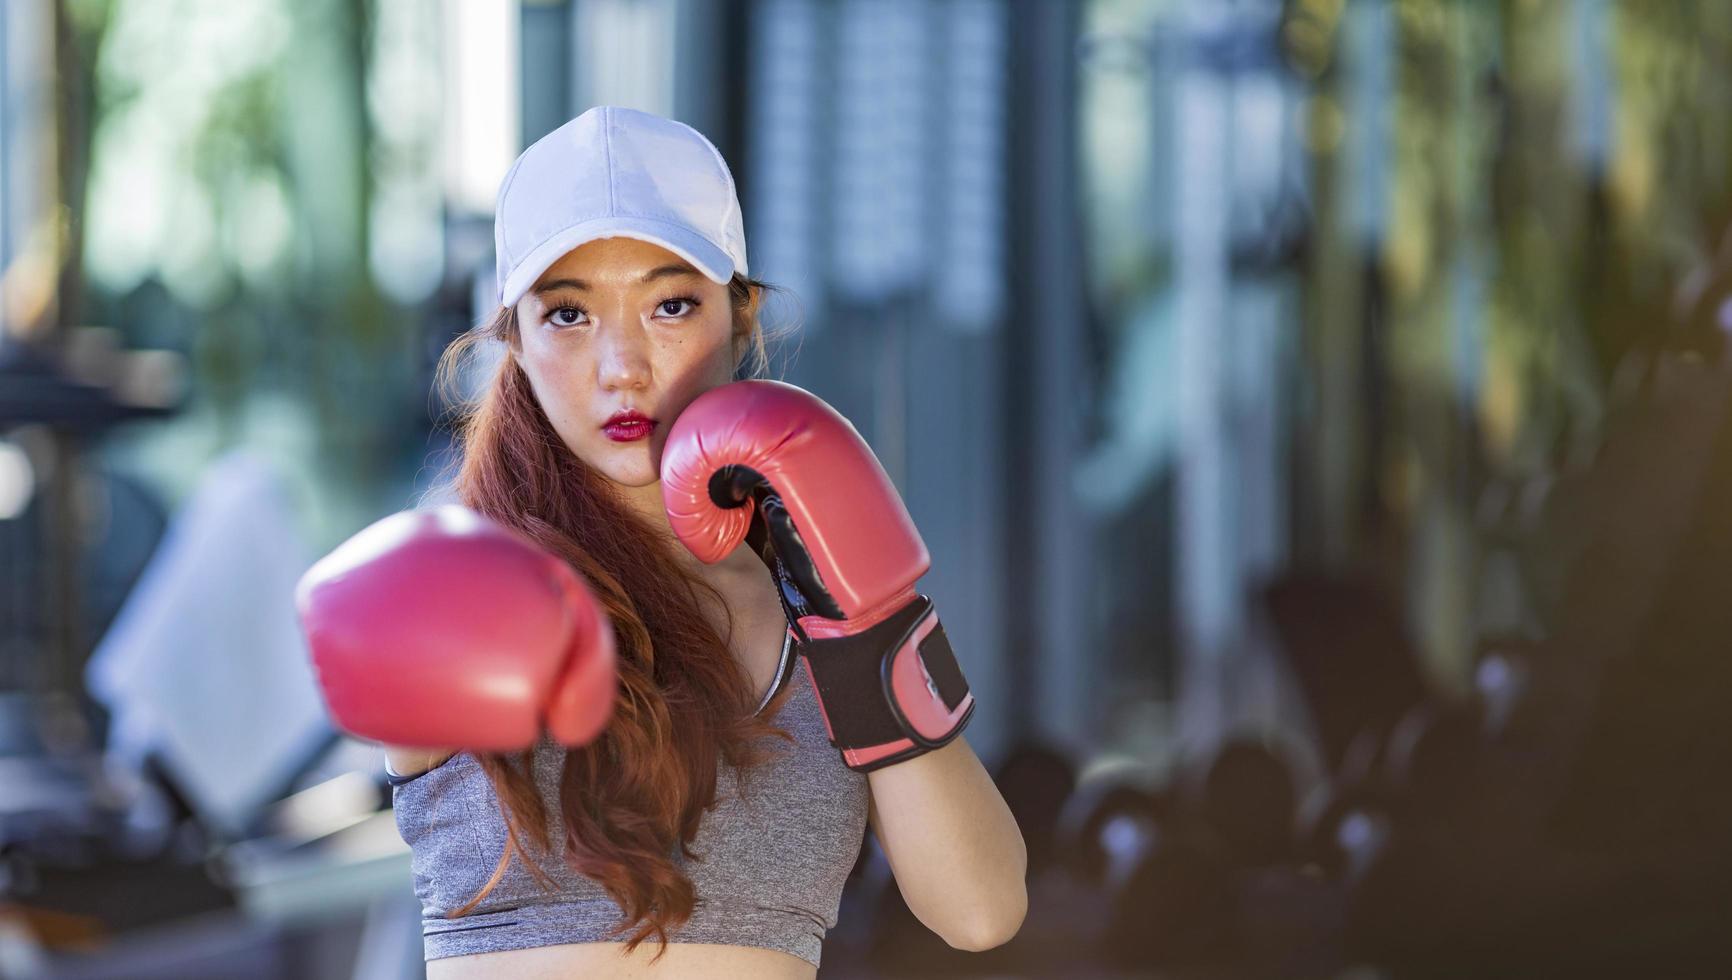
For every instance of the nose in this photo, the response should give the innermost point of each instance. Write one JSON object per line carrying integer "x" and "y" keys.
{"x": 622, "y": 355}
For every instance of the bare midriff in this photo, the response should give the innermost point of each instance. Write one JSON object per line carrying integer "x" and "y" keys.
{"x": 607, "y": 961}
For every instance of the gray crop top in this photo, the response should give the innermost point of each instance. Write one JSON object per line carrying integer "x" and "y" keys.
{"x": 770, "y": 868}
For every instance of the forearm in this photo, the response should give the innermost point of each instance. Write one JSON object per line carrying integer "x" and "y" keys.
{"x": 954, "y": 847}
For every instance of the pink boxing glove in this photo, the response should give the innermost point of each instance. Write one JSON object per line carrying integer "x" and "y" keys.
{"x": 767, "y": 462}
{"x": 442, "y": 628}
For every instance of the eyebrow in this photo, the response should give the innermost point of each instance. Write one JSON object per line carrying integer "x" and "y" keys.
{"x": 659, "y": 272}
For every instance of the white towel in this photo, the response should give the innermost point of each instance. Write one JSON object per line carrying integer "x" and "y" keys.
{"x": 206, "y": 665}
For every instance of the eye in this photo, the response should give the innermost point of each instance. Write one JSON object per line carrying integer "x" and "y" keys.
{"x": 553, "y": 315}
{"x": 674, "y": 302}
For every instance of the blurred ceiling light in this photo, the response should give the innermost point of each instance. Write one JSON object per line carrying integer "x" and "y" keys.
{"x": 482, "y": 98}
{"x": 17, "y": 480}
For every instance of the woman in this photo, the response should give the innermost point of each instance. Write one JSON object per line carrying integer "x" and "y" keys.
{"x": 713, "y": 813}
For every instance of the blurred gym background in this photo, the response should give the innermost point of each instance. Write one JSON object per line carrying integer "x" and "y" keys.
{"x": 1318, "y": 412}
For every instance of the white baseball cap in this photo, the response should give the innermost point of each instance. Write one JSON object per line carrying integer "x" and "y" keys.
{"x": 616, "y": 172}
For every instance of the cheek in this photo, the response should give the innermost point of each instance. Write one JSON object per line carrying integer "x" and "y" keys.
{"x": 554, "y": 380}
{"x": 700, "y": 359}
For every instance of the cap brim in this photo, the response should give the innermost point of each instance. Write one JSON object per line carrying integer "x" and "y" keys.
{"x": 678, "y": 239}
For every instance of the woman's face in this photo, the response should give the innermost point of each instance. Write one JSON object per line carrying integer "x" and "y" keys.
{"x": 621, "y": 325}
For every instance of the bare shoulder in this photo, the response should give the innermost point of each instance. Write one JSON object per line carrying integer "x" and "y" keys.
{"x": 410, "y": 761}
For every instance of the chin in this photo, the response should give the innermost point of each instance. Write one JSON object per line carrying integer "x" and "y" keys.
{"x": 637, "y": 472}
{"x": 632, "y": 464}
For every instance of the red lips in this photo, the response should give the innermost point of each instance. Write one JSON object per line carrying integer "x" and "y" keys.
{"x": 628, "y": 426}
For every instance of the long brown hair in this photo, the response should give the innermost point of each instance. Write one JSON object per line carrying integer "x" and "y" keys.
{"x": 629, "y": 798}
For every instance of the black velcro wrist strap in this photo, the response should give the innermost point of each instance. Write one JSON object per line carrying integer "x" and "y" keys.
{"x": 851, "y": 675}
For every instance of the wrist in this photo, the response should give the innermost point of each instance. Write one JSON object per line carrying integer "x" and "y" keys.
{"x": 891, "y": 691}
